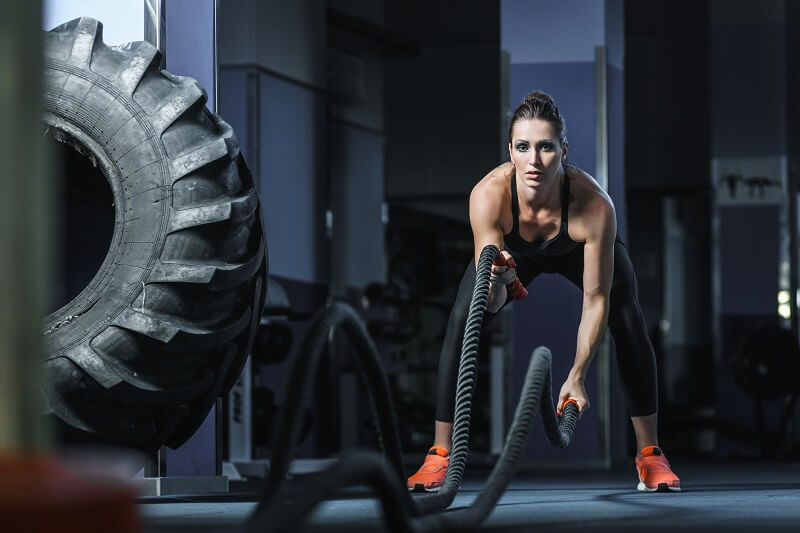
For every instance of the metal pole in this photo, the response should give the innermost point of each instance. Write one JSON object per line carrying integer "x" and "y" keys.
{"x": 155, "y": 27}
{"x": 601, "y": 173}
{"x": 25, "y": 204}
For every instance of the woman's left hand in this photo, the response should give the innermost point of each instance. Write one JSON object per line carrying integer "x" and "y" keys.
{"x": 573, "y": 389}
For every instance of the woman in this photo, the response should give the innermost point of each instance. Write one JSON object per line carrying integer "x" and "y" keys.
{"x": 552, "y": 217}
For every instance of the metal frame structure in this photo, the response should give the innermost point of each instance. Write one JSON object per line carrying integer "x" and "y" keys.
{"x": 601, "y": 173}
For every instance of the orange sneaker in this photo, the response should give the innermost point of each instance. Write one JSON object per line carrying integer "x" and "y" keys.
{"x": 430, "y": 476}
{"x": 654, "y": 471}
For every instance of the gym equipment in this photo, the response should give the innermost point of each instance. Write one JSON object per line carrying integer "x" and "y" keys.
{"x": 283, "y": 507}
{"x": 140, "y": 355}
{"x": 766, "y": 367}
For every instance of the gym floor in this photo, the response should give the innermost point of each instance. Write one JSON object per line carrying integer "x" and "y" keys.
{"x": 738, "y": 496}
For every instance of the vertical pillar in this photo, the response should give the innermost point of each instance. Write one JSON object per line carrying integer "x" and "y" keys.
{"x": 24, "y": 227}
{"x": 190, "y": 49}
{"x": 602, "y": 403}
{"x": 793, "y": 146}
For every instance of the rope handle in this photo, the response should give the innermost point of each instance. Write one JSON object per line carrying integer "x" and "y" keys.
{"x": 517, "y": 289}
{"x": 565, "y": 405}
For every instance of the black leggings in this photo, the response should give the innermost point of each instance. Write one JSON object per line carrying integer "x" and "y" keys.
{"x": 636, "y": 361}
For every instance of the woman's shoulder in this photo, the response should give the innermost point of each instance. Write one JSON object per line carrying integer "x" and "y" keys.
{"x": 585, "y": 190}
{"x": 492, "y": 192}
{"x": 495, "y": 182}
{"x": 590, "y": 204}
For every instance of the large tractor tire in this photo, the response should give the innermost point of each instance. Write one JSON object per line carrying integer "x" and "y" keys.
{"x": 140, "y": 355}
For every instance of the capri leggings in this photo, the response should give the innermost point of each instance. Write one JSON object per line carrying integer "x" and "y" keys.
{"x": 636, "y": 362}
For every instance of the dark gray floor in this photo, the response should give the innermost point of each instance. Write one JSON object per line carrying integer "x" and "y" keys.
{"x": 734, "y": 496}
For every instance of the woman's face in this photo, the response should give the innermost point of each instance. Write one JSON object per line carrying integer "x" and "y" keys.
{"x": 536, "y": 151}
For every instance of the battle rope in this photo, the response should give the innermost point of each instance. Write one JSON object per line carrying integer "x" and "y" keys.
{"x": 277, "y": 511}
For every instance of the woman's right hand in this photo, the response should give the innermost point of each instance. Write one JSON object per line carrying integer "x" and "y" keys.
{"x": 499, "y": 278}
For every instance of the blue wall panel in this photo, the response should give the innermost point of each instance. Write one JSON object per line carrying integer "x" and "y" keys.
{"x": 748, "y": 243}
{"x": 748, "y": 107}
{"x": 572, "y": 87}
{"x": 190, "y": 52}
{"x": 232, "y": 108}
{"x": 356, "y": 165}
{"x": 190, "y": 42}
{"x": 293, "y": 181}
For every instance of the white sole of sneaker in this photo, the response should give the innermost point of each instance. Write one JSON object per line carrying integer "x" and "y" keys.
{"x": 419, "y": 487}
{"x": 662, "y": 487}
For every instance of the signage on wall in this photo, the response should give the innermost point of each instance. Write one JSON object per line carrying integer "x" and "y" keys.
{"x": 749, "y": 181}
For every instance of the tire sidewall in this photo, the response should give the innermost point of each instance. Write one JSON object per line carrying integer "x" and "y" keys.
{"x": 140, "y": 214}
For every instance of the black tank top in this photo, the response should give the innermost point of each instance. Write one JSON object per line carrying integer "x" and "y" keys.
{"x": 560, "y": 245}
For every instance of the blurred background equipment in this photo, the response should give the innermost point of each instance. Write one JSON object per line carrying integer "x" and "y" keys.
{"x": 766, "y": 367}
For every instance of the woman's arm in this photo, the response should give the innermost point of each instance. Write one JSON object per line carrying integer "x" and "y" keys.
{"x": 598, "y": 272}
{"x": 485, "y": 207}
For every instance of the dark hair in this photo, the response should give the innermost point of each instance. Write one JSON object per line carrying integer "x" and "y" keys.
{"x": 539, "y": 104}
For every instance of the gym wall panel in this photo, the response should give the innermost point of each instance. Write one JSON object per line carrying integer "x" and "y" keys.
{"x": 356, "y": 166}
{"x": 273, "y": 67}
{"x": 445, "y": 108}
{"x": 748, "y": 108}
{"x": 233, "y": 107}
{"x": 281, "y": 126}
{"x": 443, "y": 113}
{"x": 286, "y": 38}
{"x": 537, "y": 31}
{"x": 749, "y": 286}
{"x": 292, "y": 183}
{"x": 356, "y": 88}
{"x": 190, "y": 43}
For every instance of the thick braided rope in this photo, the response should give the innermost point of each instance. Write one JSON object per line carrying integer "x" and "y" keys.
{"x": 468, "y": 367}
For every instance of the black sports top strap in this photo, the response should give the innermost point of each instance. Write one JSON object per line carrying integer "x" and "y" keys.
{"x": 514, "y": 202}
{"x": 542, "y": 253}
{"x": 565, "y": 201}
